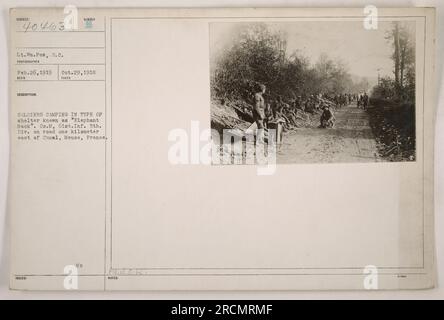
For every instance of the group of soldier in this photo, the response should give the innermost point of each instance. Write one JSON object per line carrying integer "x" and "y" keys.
{"x": 363, "y": 101}
{"x": 344, "y": 99}
{"x": 276, "y": 109}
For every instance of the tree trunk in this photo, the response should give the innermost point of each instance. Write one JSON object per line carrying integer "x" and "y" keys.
{"x": 397, "y": 55}
{"x": 402, "y": 67}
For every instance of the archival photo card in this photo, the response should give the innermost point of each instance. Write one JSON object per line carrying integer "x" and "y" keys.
{"x": 222, "y": 149}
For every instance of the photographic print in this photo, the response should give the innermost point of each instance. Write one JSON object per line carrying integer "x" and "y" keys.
{"x": 331, "y": 91}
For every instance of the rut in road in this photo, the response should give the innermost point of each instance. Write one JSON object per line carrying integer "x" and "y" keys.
{"x": 351, "y": 140}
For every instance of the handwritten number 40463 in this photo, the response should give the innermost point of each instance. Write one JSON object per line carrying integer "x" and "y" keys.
{"x": 43, "y": 26}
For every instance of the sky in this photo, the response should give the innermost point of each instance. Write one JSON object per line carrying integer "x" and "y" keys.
{"x": 363, "y": 51}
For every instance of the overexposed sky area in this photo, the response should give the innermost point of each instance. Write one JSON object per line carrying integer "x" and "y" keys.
{"x": 363, "y": 51}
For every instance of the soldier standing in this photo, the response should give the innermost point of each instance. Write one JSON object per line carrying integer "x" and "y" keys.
{"x": 259, "y": 107}
{"x": 365, "y": 101}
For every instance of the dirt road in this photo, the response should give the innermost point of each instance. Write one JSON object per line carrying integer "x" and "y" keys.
{"x": 350, "y": 141}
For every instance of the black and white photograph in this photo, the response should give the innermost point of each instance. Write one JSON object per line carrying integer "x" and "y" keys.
{"x": 332, "y": 91}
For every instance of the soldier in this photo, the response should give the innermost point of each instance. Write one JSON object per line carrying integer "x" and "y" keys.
{"x": 282, "y": 106}
{"x": 311, "y": 104}
{"x": 259, "y": 107}
{"x": 365, "y": 101}
{"x": 297, "y": 104}
{"x": 338, "y": 100}
{"x": 327, "y": 118}
{"x": 268, "y": 114}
